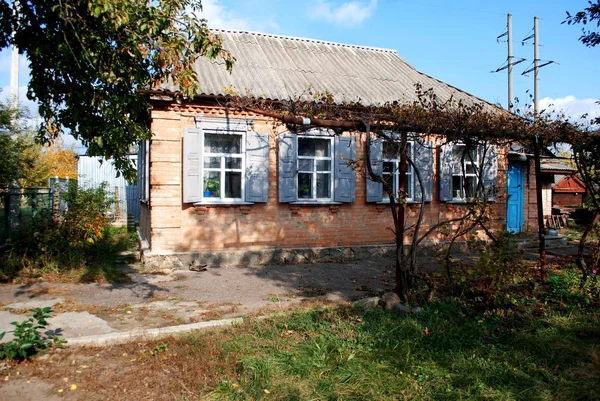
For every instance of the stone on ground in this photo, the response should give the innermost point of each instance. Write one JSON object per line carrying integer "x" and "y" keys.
{"x": 389, "y": 300}
{"x": 367, "y": 303}
{"x": 401, "y": 310}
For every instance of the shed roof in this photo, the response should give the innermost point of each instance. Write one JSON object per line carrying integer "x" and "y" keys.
{"x": 571, "y": 184}
{"x": 281, "y": 68}
{"x": 557, "y": 165}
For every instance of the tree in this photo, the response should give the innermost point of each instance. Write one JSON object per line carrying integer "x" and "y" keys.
{"x": 11, "y": 144}
{"x": 55, "y": 160}
{"x": 88, "y": 59}
{"x": 589, "y": 14}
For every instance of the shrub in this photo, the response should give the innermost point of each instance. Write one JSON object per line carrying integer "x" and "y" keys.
{"x": 63, "y": 242}
{"x": 84, "y": 221}
{"x": 28, "y": 339}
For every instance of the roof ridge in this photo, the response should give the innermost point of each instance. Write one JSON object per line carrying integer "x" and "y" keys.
{"x": 309, "y": 40}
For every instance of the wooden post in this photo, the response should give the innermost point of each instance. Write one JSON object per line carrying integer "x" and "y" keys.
{"x": 117, "y": 205}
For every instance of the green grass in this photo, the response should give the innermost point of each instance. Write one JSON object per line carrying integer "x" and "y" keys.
{"x": 442, "y": 354}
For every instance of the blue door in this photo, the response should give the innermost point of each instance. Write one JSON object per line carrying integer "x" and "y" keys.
{"x": 516, "y": 195}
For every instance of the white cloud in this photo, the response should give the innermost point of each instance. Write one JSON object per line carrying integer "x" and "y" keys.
{"x": 346, "y": 14}
{"x": 220, "y": 17}
{"x": 572, "y": 107}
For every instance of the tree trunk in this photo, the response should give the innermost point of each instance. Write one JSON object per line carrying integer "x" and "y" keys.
{"x": 580, "y": 259}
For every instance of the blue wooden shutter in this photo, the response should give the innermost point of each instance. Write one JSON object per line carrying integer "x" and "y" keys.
{"x": 490, "y": 172}
{"x": 257, "y": 167}
{"x": 423, "y": 159}
{"x": 288, "y": 168}
{"x": 141, "y": 169}
{"x": 344, "y": 180}
{"x": 445, "y": 171}
{"x": 192, "y": 165}
{"x": 375, "y": 189}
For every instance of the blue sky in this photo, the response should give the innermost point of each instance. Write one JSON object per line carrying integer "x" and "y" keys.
{"x": 452, "y": 41}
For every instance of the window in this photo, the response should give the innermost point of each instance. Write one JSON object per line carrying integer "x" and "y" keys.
{"x": 391, "y": 168}
{"x": 225, "y": 162}
{"x": 468, "y": 173}
{"x": 465, "y": 172}
{"x": 315, "y": 168}
{"x": 385, "y": 161}
{"x": 223, "y": 165}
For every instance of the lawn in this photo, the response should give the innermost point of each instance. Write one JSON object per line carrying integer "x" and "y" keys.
{"x": 448, "y": 352}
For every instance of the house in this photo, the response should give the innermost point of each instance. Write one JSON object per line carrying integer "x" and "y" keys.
{"x": 229, "y": 186}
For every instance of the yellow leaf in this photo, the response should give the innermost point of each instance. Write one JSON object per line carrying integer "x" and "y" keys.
{"x": 73, "y": 387}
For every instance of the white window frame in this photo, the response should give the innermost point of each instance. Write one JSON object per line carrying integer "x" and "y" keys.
{"x": 463, "y": 174}
{"x": 395, "y": 172}
{"x": 314, "y": 173}
{"x": 221, "y": 126}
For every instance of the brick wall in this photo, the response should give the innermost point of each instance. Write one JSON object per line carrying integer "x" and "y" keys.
{"x": 568, "y": 200}
{"x": 184, "y": 227}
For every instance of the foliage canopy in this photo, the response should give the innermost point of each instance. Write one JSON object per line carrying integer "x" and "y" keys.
{"x": 589, "y": 14}
{"x": 88, "y": 59}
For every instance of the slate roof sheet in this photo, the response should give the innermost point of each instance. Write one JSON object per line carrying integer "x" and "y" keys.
{"x": 280, "y": 68}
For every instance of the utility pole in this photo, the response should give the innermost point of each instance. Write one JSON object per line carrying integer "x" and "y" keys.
{"x": 14, "y": 78}
{"x": 536, "y": 150}
{"x": 14, "y": 70}
{"x": 510, "y": 63}
{"x": 536, "y": 67}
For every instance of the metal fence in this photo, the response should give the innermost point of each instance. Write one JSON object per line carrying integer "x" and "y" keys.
{"x": 20, "y": 207}
{"x": 92, "y": 173}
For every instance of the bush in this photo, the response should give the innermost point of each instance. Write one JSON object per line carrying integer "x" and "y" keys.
{"x": 495, "y": 278}
{"x": 567, "y": 286}
{"x": 85, "y": 219}
{"x": 63, "y": 242}
{"x": 28, "y": 339}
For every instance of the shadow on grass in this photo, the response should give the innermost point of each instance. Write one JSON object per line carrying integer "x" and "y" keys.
{"x": 441, "y": 354}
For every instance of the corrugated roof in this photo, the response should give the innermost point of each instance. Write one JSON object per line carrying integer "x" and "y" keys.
{"x": 556, "y": 165}
{"x": 280, "y": 68}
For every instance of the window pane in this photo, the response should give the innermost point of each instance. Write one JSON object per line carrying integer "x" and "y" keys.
{"x": 391, "y": 150}
{"x": 472, "y": 155}
{"x": 233, "y": 162}
{"x": 314, "y": 147}
{"x": 212, "y": 162}
{"x": 304, "y": 186}
{"x": 409, "y": 186}
{"x": 305, "y": 164}
{"x": 323, "y": 185}
{"x": 389, "y": 179}
{"x": 457, "y": 152}
{"x": 470, "y": 186}
{"x": 388, "y": 167}
{"x": 470, "y": 169}
{"x": 222, "y": 143}
{"x": 233, "y": 184}
{"x": 323, "y": 165}
{"x": 212, "y": 184}
{"x": 457, "y": 187}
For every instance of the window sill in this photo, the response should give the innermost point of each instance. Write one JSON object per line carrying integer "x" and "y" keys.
{"x": 465, "y": 201}
{"x": 410, "y": 202}
{"x": 315, "y": 203}
{"x": 222, "y": 203}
